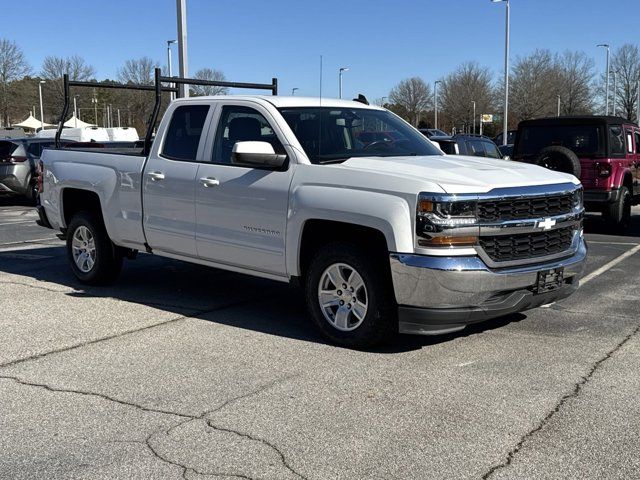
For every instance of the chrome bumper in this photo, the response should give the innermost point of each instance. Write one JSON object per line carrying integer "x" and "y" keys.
{"x": 442, "y": 294}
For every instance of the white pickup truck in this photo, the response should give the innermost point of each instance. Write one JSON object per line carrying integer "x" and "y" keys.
{"x": 384, "y": 232}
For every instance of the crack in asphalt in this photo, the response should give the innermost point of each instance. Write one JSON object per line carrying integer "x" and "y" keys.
{"x": 573, "y": 394}
{"x": 192, "y": 314}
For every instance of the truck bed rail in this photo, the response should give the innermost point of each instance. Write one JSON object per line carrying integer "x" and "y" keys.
{"x": 158, "y": 89}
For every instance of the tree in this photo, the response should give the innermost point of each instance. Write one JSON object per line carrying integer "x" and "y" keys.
{"x": 626, "y": 63}
{"x": 139, "y": 71}
{"x": 53, "y": 68}
{"x": 535, "y": 85}
{"x": 576, "y": 72}
{"x": 410, "y": 98}
{"x": 13, "y": 66}
{"x": 211, "y": 75}
{"x": 469, "y": 83}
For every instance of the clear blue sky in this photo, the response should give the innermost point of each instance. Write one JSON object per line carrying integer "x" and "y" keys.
{"x": 382, "y": 41}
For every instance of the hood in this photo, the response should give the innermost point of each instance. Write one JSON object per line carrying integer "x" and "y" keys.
{"x": 461, "y": 174}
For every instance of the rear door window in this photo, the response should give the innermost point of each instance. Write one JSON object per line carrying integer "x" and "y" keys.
{"x": 492, "y": 150}
{"x": 476, "y": 148}
{"x": 184, "y": 132}
{"x": 616, "y": 140}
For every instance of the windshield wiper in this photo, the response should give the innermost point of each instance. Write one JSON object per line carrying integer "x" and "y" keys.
{"x": 333, "y": 160}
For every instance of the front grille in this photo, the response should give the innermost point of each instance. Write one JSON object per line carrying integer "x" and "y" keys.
{"x": 524, "y": 208}
{"x": 505, "y": 248}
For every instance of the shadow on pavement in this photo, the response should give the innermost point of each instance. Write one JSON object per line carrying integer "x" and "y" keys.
{"x": 259, "y": 305}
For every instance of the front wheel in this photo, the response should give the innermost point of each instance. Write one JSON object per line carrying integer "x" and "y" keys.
{"x": 349, "y": 295}
{"x": 618, "y": 214}
{"x": 93, "y": 258}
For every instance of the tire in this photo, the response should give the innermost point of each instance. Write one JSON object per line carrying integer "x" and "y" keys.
{"x": 356, "y": 326}
{"x": 32, "y": 191}
{"x": 560, "y": 159}
{"x": 618, "y": 214}
{"x": 100, "y": 265}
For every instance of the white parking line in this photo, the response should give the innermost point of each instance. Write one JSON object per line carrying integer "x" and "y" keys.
{"x": 19, "y": 222}
{"x": 604, "y": 268}
{"x": 30, "y": 244}
{"x": 613, "y": 243}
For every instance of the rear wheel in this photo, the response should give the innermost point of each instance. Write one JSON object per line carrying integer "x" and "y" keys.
{"x": 32, "y": 191}
{"x": 93, "y": 257}
{"x": 350, "y": 298}
{"x": 618, "y": 214}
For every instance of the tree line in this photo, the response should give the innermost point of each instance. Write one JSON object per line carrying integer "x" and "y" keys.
{"x": 19, "y": 94}
{"x": 538, "y": 83}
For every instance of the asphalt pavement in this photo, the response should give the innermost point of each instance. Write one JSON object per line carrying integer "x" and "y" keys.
{"x": 179, "y": 371}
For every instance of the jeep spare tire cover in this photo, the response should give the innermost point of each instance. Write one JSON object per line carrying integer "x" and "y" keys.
{"x": 560, "y": 159}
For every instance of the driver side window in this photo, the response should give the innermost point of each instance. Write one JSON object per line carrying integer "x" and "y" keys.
{"x": 241, "y": 124}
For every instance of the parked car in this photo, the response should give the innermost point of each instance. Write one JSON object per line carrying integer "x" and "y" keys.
{"x": 506, "y": 151}
{"x": 11, "y": 132}
{"x": 433, "y": 132}
{"x": 603, "y": 152}
{"x": 467, "y": 144}
{"x": 384, "y": 236}
{"x": 511, "y": 137}
{"x": 18, "y": 159}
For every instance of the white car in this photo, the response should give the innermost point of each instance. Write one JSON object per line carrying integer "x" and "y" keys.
{"x": 385, "y": 235}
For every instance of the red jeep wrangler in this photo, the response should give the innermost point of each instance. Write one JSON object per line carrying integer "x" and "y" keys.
{"x": 603, "y": 152}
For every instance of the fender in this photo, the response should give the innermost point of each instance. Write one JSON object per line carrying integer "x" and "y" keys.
{"x": 619, "y": 174}
{"x": 387, "y": 213}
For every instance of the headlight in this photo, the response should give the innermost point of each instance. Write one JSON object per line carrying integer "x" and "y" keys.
{"x": 443, "y": 221}
{"x": 578, "y": 198}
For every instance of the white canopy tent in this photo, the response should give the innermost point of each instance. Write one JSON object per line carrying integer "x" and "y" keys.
{"x": 75, "y": 122}
{"x": 32, "y": 123}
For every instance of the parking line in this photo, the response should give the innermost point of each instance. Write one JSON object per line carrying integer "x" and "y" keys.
{"x": 19, "y": 222}
{"x": 604, "y": 268}
{"x": 29, "y": 245}
{"x": 612, "y": 243}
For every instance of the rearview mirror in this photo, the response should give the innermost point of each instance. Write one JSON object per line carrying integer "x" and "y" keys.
{"x": 257, "y": 154}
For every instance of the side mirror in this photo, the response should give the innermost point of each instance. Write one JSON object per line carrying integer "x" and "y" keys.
{"x": 506, "y": 157}
{"x": 257, "y": 154}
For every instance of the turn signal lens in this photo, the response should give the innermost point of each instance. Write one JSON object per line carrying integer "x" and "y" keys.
{"x": 603, "y": 169}
{"x": 425, "y": 206}
{"x": 468, "y": 241}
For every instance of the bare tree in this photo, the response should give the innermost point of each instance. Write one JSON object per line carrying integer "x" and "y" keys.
{"x": 211, "y": 75}
{"x": 53, "y": 68}
{"x": 576, "y": 72}
{"x": 410, "y": 98}
{"x": 469, "y": 83}
{"x": 535, "y": 84}
{"x": 626, "y": 63}
{"x": 13, "y": 66}
{"x": 138, "y": 71}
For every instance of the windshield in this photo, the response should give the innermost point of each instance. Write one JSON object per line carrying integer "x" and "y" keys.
{"x": 331, "y": 135}
{"x": 583, "y": 140}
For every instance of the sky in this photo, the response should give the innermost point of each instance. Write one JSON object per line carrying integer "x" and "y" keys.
{"x": 380, "y": 41}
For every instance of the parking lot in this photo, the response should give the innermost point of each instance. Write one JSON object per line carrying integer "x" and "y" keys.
{"x": 182, "y": 371}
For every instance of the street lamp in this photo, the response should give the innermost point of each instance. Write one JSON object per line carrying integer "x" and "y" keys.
{"x": 558, "y": 104}
{"x": 638, "y": 104}
{"x": 615, "y": 91}
{"x": 435, "y": 103}
{"x": 606, "y": 108}
{"x": 169, "y": 43}
{"x": 41, "y": 109}
{"x": 506, "y": 72}
{"x": 474, "y": 116}
{"x": 293, "y": 91}
{"x": 342, "y": 69}
{"x": 75, "y": 111}
{"x": 382, "y": 102}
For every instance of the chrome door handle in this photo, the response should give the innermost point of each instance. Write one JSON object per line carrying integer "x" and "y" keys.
{"x": 155, "y": 176}
{"x": 210, "y": 182}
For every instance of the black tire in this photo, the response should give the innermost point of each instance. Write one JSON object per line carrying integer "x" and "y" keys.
{"x": 560, "y": 159}
{"x": 106, "y": 261}
{"x": 32, "y": 191}
{"x": 380, "y": 323}
{"x": 618, "y": 214}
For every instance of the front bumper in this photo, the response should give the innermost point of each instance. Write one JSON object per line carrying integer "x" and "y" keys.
{"x": 443, "y": 294}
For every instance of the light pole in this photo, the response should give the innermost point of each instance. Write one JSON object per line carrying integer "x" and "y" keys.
{"x": 638, "y": 104}
{"x": 41, "y": 109}
{"x": 615, "y": 91}
{"x": 474, "y": 117}
{"x": 558, "y": 104}
{"x": 435, "y": 103}
{"x": 75, "y": 111}
{"x": 382, "y": 102}
{"x": 169, "y": 43}
{"x": 293, "y": 91}
{"x": 506, "y": 72}
{"x": 342, "y": 69}
{"x": 606, "y": 108}
{"x": 181, "y": 5}
{"x": 94, "y": 100}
